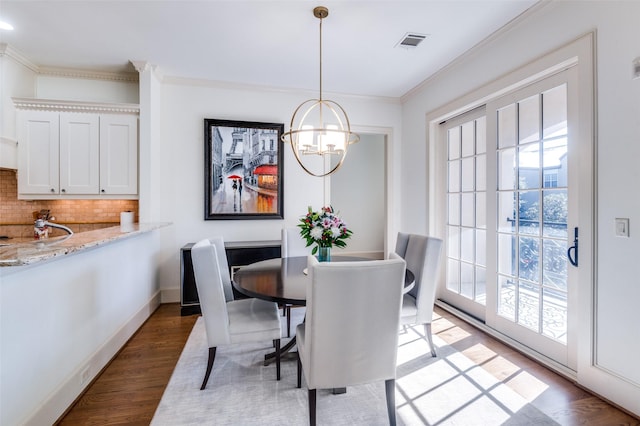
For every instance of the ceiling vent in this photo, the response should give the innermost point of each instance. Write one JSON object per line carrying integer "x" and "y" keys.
{"x": 411, "y": 40}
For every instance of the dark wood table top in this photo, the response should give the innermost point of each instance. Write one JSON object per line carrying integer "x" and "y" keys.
{"x": 283, "y": 280}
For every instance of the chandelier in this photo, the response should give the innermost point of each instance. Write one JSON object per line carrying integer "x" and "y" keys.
{"x": 320, "y": 133}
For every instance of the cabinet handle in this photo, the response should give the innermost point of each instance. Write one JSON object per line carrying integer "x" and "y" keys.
{"x": 102, "y": 190}
{"x": 53, "y": 190}
{"x": 64, "y": 190}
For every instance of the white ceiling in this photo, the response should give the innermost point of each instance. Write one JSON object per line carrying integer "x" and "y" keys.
{"x": 266, "y": 43}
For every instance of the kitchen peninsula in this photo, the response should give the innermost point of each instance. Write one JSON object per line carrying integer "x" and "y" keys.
{"x": 26, "y": 253}
{"x": 67, "y": 306}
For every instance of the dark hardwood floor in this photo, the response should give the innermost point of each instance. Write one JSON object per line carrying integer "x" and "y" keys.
{"x": 130, "y": 387}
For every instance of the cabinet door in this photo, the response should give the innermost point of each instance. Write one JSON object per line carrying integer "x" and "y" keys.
{"x": 38, "y": 149}
{"x": 79, "y": 153}
{"x": 118, "y": 154}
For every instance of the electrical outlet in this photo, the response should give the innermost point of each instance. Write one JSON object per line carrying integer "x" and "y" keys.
{"x": 84, "y": 375}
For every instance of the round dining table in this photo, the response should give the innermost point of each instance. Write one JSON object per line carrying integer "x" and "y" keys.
{"x": 284, "y": 280}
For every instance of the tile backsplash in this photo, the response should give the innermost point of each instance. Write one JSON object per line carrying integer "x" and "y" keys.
{"x": 16, "y": 216}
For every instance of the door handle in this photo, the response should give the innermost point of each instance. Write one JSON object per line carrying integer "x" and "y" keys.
{"x": 573, "y": 258}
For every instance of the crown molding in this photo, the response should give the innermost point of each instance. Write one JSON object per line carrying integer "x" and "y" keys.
{"x": 16, "y": 55}
{"x": 144, "y": 66}
{"x": 7, "y": 50}
{"x": 74, "y": 106}
{"x": 131, "y": 77}
{"x": 311, "y": 94}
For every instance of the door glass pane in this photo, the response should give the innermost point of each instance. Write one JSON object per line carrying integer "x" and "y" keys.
{"x": 554, "y": 314}
{"x": 468, "y": 210}
{"x": 466, "y": 280}
{"x": 507, "y": 126}
{"x": 468, "y": 174}
{"x": 453, "y": 242}
{"x": 554, "y": 213}
{"x": 554, "y": 112}
{"x": 453, "y": 275}
{"x": 481, "y": 173}
{"x": 529, "y": 166}
{"x": 481, "y": 285}
{"x": 481, "y": 210}
{"x": 529, "y": 305}
{"x": 481, "y": 247}
{"x": 528, "y": 261}
{"x": 529, "y": 212}
{"x": 506, "y": 254}
{"x": 454, "y": 209}
{"x": 554, "y": 264}
{"x": 554, "y": 163}
{"x": 468, "y": 142}
{"x": 506, "y": 211}
{"x": 506, "y": 298}
{"x": 467, "y": 245}
{"x": 507, "y": 169}
{"x": 454, "y": 143}
{"x": 454, "y": 176}
{"x": 529, "y": 119}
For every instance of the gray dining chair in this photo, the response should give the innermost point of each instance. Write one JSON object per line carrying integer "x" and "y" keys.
{"x": 229, "y": 321}
{"x": 350, "y": 334}
{"x": 292, "y": 245}
{"x": 422, "y": 255}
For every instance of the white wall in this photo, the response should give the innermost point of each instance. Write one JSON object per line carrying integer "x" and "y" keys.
{"x": 615, "y": 372}
{"x": 185, "y": 105}
{"x": 358, "y": 192}
{"x": 62, "y": 320}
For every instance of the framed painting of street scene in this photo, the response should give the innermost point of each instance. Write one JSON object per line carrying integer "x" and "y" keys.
{"x": 243, "y": 170}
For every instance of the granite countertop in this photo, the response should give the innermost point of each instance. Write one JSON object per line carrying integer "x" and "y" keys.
{"x": 29, "y": 252}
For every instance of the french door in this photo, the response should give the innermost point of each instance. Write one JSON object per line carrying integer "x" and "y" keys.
{"x": 511, "y": 203}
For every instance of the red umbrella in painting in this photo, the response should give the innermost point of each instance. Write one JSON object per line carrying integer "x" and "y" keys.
{"x": 234, "y": 177}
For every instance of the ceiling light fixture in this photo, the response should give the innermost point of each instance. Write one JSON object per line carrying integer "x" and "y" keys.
{"x": 320, "y": 132}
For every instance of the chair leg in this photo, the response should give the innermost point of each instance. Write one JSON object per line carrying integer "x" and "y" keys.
{"x": 276, "y": 343}
{"x": 427, "y": 333}
{"x": 288, "y": 309}
{"x": 312, "y": 407}
{"x": 390, "y": 390}
{"x": 212, "y": 357}
{"x": 299, "y": 371}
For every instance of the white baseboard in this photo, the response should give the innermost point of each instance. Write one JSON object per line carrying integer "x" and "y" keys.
{"x": 61, "y": 399}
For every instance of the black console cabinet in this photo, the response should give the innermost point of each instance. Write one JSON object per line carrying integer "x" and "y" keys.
{"x": 238, "y": 254}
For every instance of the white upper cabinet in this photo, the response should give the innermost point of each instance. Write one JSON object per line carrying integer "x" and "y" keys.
{"x": 79, "y": 153}
{"x": 84, "y": 154}
{"x": 38, "y": 144}
{"x": 118, "y": 154}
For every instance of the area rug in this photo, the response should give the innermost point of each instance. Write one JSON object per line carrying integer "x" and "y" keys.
{"x": 446, "y": 390}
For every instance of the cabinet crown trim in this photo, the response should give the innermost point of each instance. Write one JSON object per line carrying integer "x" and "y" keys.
{"x": 74, "y": 106}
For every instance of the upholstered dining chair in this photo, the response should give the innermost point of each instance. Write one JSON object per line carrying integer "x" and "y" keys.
{"x": 422, "y": 255}
{"x": 230, "y": 321}
{"x": 350, "y": 334}
{"x": 292, "y": 245}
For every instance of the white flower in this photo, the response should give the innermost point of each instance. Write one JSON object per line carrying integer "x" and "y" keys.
{"x": 316, "y": 233}
{"x": 335, "y": 232}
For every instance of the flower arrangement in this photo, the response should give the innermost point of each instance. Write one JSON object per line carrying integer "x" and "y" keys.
{"x": 324, "y": 228}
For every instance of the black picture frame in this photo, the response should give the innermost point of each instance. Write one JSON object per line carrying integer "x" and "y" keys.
{"x": 243, "y": 170}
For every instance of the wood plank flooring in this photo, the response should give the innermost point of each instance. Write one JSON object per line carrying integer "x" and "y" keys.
{"x": 129, "y": 389}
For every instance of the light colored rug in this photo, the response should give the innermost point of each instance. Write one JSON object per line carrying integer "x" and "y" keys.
{"x": 446, "y": 390}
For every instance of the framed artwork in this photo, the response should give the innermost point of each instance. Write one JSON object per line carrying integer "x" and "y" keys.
{"x": 243, "y": 170}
